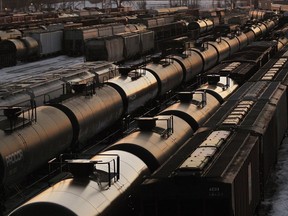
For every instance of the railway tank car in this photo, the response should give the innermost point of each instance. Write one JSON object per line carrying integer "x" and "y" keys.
{"x": 200, "y": 27}
{"x": 18, "y": 49}
{"x": 10, "y": 34}
{"x": 203, "y": 26}
{"x": 74, "y": 44}
{"x": 54, "y": 83}
{"x": 18, "y": 159}
{"x": 261, "y": 14}
{"x": 136, "y": 88}
{"x": 86, "y": 120}
{"x": 190, "y": 112}
{"x": 141, "y": 153}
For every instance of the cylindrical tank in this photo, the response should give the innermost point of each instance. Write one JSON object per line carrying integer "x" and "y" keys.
{"x": 31, "y": 45}
{"x": 140, "y": 27}
{"x": 130, "y": 28}
{"x": 19, "y": 46}
{"x": 88, "y": 196}
{"x": 250, "y": 36}
{"x": 191, "y": 110}
{"x": 282, "y": 42}
{"x": 263, "y": 28}
{"x": 233, "y": 44}
{"x": 137, "y": 88}
{"x": 209, "y": 24}
{"x": 151, "y": 144}
{"x": 89, "y": 113}
{"x": 256, "y": 30}
{"x": 260, "y": 15}
{"x": 270, "y": 24}
{"x": 192, "y": 64}
{"x": 199, "y": 24}
{"x": 10, "y": 34}
{"x": 243, "y": 40}
{"x": 222, "y": 48}
{"x": 208, "y": 53}
{"x": 27, "y": 148}
{"x": 168, "y": 73}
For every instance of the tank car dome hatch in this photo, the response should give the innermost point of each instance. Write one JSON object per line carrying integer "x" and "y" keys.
{"x": 146, "y": 123}
{"x": 156, "y": 59}
{"x": 124, "y": 71}
{"x": 185, "y": 97}
{"x": 78, "y": 87}
{"x": 213, "y": 79}
{"x": 12, "y": 113}
{"x": 80, "y": 168}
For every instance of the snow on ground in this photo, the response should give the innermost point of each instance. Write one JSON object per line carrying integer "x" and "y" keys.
{"x": 276, "y": 199}
{"x": 24, "y": 70}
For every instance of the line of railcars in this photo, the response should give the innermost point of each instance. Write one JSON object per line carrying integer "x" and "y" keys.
{"x": 70, "y": 38}
{"x": 54, "y": 83}
{"x": 223, "y": 168}
{"x": 137, "y": 155}
{"x": 45, "y": 42}
{"x": 141, "y": 42}
{"x": 29, "y": 139}
{"x": 34, "y": 41}
{"x": 152, "y": 145}
{"x": 261, "y": 14}
{"x": 71, "y": 41}
{"x": 84, "y": 14}
{"x": 27, "y": 92}
{"x": 11, "y": 96}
